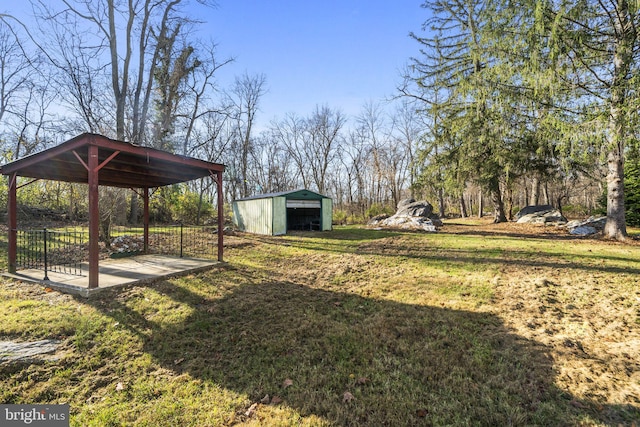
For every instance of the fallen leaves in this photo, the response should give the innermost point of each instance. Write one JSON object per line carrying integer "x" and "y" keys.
{"x": 252, "y": 410}
{"x": 266, "y": 400}
{"x": 276, "y": 400}
{"x": 347, "y": 397}
{"x": 363, "y": 381}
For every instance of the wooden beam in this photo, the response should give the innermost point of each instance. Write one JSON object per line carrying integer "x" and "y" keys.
{"x": 12, "y": 222}
{"x": 145, "y": 218}
{"x": 75, "y": 153}
{"x": 108, "y": 159}
{"x": 220, "y": 216}
{"x": 94, "y": 217}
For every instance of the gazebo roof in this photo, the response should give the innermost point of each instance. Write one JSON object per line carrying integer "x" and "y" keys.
{"x": 121, "y": 164}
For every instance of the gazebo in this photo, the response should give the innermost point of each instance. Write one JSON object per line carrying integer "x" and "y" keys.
{"x": 99, "y": 161}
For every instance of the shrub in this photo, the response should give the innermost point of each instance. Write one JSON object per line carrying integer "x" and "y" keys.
{"x": 378, "y": 209}
{"x": 340, "y": 217}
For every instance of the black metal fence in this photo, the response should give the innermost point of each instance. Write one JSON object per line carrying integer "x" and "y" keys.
{"x": 49, "y": 250}
{"x": 64, "y": 251}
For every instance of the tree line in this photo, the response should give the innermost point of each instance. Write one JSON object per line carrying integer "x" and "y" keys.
{"x": 503, "y": 105}
{"x": 542, "y": 88}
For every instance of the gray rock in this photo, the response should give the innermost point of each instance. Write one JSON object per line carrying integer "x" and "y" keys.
{"x": 543, "y": 214}
{"x": 411, "y": 215}
{"x": 28, "y": 352}
{"x": 378, "y": 218}
{"x": 573, "y": 223}
{"x": 404, "y": 202}
{"x": 583, "y": 230}
{"x": 528, "y": 210}
{"x": 419, "y": 209}
{"x": 591, "y": 225}
{"x": 597, "y": 223}
{"x": 404, "y": 222}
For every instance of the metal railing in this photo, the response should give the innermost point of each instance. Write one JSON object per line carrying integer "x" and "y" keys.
{"x": 48, "y": 250}
{"x": 65, "y": 251}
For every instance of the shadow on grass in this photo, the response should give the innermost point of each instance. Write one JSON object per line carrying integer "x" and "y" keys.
{"x": 403, "y": 364}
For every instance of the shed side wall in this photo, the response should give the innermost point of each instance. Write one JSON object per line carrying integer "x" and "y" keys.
{"x": 327, "y": 214}
{"x": 254, "y": 216}
{"x": 279, "y": 216}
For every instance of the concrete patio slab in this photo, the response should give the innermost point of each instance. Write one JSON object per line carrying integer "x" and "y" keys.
{"x": 117, "y": 272}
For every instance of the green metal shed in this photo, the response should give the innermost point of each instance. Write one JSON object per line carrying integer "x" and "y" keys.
{"x": 276, "y": 213}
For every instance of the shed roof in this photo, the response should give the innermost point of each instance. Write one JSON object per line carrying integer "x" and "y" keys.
{"x": 121, "y": 164}
{"x": 291, "y": 194}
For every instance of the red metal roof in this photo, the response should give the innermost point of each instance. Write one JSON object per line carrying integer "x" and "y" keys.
{"x": 121, "y": 164}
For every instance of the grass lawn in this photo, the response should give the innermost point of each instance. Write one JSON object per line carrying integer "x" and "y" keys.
{"x": 478, "y": 324}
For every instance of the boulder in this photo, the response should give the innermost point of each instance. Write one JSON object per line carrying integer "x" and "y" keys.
{"x": 405, "y": 223}
{"x": 409, "y": 207}
{"x": 528, "y": 210}
{"x": 541, "y": 214}
{"x": 583, "y": 230}
{"x": 591, "y": 225}
{"x": 410, "y": 215}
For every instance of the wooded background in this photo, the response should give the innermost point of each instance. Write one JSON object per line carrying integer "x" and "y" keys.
{"x": 503, "y": 105}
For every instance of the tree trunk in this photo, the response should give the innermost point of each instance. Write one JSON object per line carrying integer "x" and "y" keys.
{"x": 496, "y": 200}
{"x": 615, "y": 227}
{"x": 559, "y": 202}
{"x": 72, "y": 203}
{"x": 480, "y": 204}
{"x": 545, "y": 189}
{"x": 440, "y": 202}
{"x": 133, "y": 208}
{"x": 463, "y": 207}
{"x": 535, "y": 192}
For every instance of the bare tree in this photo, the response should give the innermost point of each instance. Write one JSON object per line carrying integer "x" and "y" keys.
{"x": 406, "y": 134}
{"x": 15, "y": 70}
{"x": 245, "y": 97}
{"x": 200, "y": 88}
{"x": 289, "y": 133}
{"x": 116, "y": 53}
{"x": 321, "y": 142}
{"x": 353, "y": 159}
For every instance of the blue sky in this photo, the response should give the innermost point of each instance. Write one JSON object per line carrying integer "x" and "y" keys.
{"x": 340, "y": 53}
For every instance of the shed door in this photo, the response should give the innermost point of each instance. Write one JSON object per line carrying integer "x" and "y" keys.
{"x": 304, "y": 214}
{"x": 303, "y": 204}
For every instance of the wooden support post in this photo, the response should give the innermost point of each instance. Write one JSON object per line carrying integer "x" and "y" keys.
{"x": 145, "y": 219}
{"x": 94, "y": 216}
{"x": 220, "y": 216}
{"x": 12, "y": 219}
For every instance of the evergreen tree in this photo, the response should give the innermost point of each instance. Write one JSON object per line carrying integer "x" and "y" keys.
{"x": 457, "y": 63}
{"x": 599, "y": 44}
